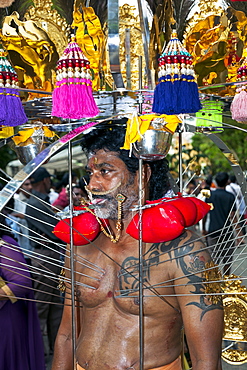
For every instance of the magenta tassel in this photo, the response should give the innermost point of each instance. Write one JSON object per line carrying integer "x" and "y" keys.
{"x": 73, "y": 95}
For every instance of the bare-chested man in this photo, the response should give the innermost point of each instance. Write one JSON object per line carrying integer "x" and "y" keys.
{"x": 174, "y": 293}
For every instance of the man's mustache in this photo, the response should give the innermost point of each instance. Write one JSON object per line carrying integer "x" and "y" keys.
{"x": 107, "y": 197}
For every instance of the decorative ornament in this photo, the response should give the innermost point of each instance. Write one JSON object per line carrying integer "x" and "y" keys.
{"x": 137, "y": 126}
{"x": 11, "y": 111}
{"x": 210, "y": 116}
{"x": 239, "y": 103}
{"x": 166, "y": 218}
{"x": 235, "y": 320}
{"x": 177, "y": 90}
{"x": 61, "y": 286}
{"x": 6, "y": 132}
{"x": 213, "y": 282}
{"x": 72, "y": 97}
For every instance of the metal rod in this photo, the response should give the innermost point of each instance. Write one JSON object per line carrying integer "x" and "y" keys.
{"x": 141, "y": 321}
{"x": 72, "y": 267}
{"x": 180, "y": 145}
{"x": 127, "y": 57}
{"x": 140, "y": 96}
{"x": 142, "y": 7}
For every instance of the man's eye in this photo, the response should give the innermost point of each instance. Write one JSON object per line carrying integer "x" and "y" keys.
{"x": 104, "y": 171}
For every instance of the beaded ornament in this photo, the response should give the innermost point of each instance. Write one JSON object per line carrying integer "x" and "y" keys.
{"x": 239, "y": 104}
{"x": 177, "y": 90}
{"x": 73, "y": 97}
{"x": 11, "y": 109}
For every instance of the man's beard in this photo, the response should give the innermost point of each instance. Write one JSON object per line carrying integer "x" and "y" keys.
{"x": 109, "y": 209}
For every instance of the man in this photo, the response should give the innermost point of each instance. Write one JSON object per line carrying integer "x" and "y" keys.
{"x": 223, "y": 219}
{"x": 107, "y": 294}
{"x": 46, "y": 261}
{"x": 20, "y": 203}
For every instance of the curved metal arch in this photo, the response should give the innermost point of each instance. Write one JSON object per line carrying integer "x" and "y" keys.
{"x": 14, "y": 184}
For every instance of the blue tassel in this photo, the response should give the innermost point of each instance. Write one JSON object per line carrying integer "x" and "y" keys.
{"x": 177, "y": 91}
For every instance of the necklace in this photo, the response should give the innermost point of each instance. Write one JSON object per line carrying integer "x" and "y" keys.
{"x": 120, "y": 198}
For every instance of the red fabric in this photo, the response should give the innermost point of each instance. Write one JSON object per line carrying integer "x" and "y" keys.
{"x": 62, "y": 200}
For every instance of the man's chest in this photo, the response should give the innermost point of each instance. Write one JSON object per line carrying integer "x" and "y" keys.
{"x": 101, "y": 276}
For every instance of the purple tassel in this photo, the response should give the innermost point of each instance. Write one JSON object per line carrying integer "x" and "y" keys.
{"x": 11, "y": 112}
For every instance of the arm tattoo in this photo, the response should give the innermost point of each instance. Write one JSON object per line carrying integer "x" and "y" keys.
{"x": 191, "y": 271}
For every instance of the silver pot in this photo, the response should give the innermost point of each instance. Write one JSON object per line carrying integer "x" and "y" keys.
{"x": 154, "y": 145}
{"x": 28, "y": 152}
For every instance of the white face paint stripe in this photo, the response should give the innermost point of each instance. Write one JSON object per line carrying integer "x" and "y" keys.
{"x": 103, "y": 192}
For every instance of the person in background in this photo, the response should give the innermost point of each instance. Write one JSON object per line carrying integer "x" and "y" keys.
{"x": 41, "y": 221}
{"x": 220, "y": 235}
{"x": 20, "y": 202}
{"x": 77, "y": 195}
{"x": 62, "y": 200}
{"x": 21, "y": 340}
{"x": 234, "y": 188}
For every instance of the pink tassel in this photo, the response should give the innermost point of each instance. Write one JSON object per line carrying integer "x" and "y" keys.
{"x": 73, "y": 95}
{"x": 239, "y": 106}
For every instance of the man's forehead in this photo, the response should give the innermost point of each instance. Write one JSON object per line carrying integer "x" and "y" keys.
{"x": 103, "y": 156}
{"x": 98, "y": 152}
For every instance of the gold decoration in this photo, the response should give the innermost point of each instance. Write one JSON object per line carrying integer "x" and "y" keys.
{"x": 231, "y": 158}
{"x": 213, "y": 285}
{"x": 205, "y": 193}
{"x": 61, "y": 286}
{"x": 90, "y": 38}
{"x": 128, "y": 20}
{"x": 47, "y": 18}
{"x": 235, "y": 318}
{"x": 37, "y": 43}
{"x": 234, "y": 357}
{"x": 212, "y": 45}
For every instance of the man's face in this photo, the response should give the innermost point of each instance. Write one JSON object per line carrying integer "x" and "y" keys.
{"x": 109, "y": 176}
{"x": 47, "y": 184}
{"x": 77, "y": 194}
{"x": 27, "y": 187}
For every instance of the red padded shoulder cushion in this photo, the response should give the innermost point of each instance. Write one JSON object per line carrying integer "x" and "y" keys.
{"x": 85, "y": 228}
{"x": 167, "y": 220}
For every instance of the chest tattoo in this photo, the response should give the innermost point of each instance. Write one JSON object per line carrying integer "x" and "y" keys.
{"x": 129, "y": 273}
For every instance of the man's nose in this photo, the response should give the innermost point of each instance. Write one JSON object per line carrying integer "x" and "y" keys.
{"x": 94, "y": 182}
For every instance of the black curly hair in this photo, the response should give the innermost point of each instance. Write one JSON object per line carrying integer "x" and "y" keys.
{"x": 111, "y": 138}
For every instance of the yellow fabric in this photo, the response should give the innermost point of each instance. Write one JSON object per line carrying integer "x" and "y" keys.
{"x": 2, "y": 282}
{"x": 27, "y": 133}
{"x": 8, "y": 292}
{"x": 6, "y": 132}
{"x": 175, "y": 365}
{"x": 138, "y": 125}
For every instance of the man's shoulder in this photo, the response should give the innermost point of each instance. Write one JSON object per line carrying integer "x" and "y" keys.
{"x": 184, "y": 243}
